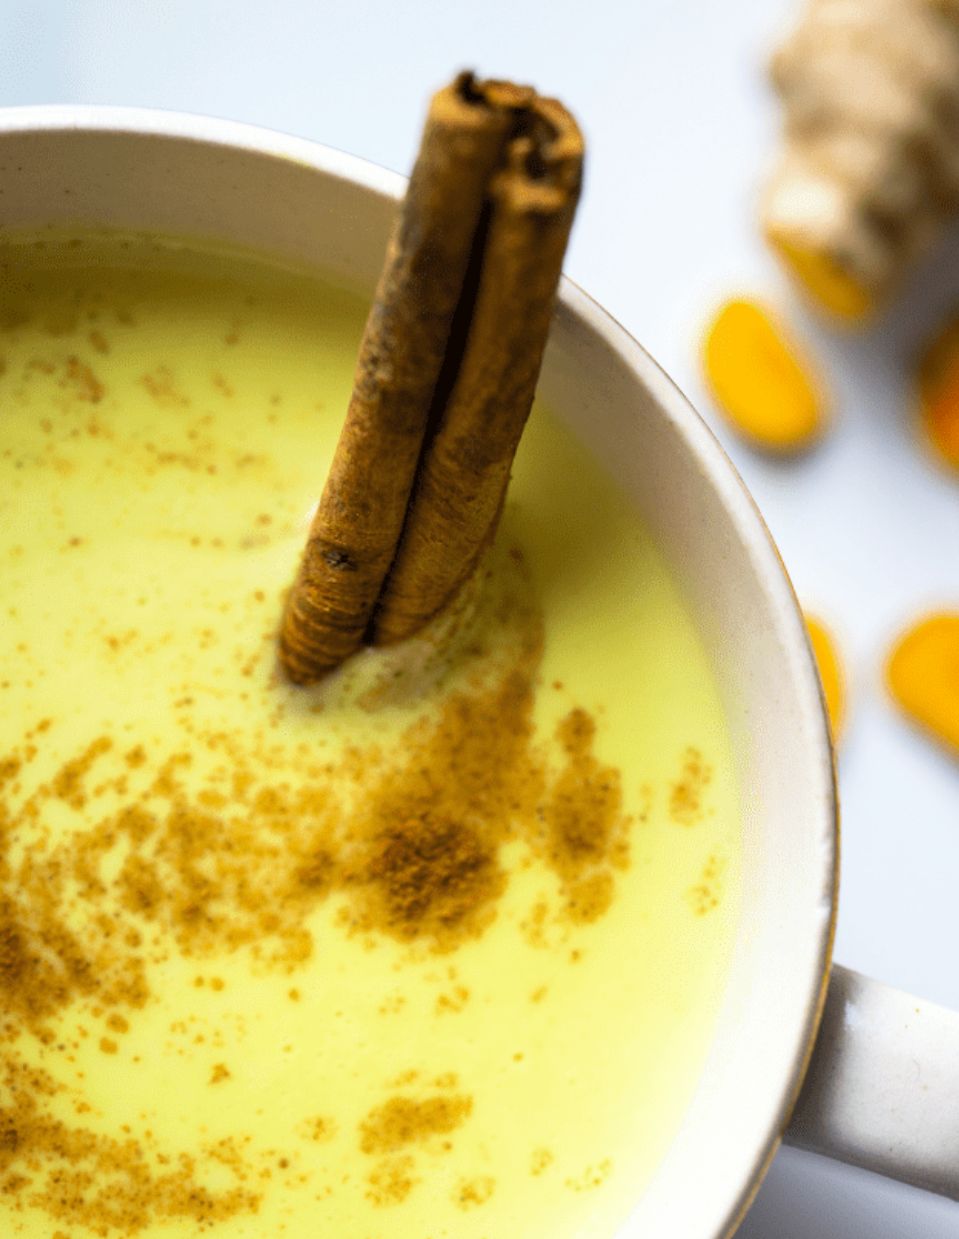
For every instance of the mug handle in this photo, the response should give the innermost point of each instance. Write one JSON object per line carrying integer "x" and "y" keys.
{"x": 882, "y": 1090}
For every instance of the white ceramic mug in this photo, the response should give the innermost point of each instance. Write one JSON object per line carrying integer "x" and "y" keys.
{"x": 882, "y": 1089}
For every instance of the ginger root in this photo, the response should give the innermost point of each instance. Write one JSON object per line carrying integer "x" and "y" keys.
{"x": 923, "y": 676}
{"x": 757, "y": 378}
{"x": 938, "y": 382}
{"x": 869, "y": 173}
{"x": 831, "y": 674}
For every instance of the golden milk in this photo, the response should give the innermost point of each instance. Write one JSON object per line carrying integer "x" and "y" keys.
{"x": 431, "y": 950}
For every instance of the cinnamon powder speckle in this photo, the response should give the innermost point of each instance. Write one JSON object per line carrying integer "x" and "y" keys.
{"x": 405, "y": 1120}
{"x": 686, "y": 795}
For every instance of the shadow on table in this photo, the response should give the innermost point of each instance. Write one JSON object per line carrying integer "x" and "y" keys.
{"x": 809, "y": 1197}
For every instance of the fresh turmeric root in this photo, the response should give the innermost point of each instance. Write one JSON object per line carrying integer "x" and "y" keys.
{"x": 923, "y": 676}
{"x": 869, "y": 172}
{"x": 831, "y": 674}
{"x": 938, "y": 382}
{"x": 758, "y": 379}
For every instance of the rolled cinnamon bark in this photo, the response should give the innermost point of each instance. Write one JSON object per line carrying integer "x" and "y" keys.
{"x": 463, "y": 475}
{"x": 446, "y": 374}
{"x": 353, "y": 537}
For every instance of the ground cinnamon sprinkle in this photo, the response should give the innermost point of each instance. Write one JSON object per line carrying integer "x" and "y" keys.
{"x": 472, "y": 1193}
{"x": 586, "y": 830}
{"x": 402, "y": 1121}
{"x": 429, "y": 876}
{"x": 106, "y": 1186}
{"x": 686, "y": 797}
{"x": 391, "y": 1181}
{"x": 79, "y": 377}
{"x": 409, "y": 840}
{"x": 705, "y": 895}
{"x": 404, "y": 1127}
{"x": 161, "y": 385}
{"x": 68, "y": 784}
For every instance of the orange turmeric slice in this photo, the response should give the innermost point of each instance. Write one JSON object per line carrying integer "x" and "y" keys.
{"x": 824, "y": 281}
{"x": 759, "y": 381}
{"x": 939, "y": 393}
{"x": 831, "y": 674}
{"x": 923, "y": 676}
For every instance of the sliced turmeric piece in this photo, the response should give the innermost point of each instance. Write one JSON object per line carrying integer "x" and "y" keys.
{"x": 823, "y": 280}
{"x": 939, "y": 392}
{"x": 759, "y": 381}
{"x": 923, "y": 676}
{"x": 831, "y": 672}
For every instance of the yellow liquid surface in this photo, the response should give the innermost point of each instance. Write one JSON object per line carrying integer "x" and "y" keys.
{"x": 432, "y": 950}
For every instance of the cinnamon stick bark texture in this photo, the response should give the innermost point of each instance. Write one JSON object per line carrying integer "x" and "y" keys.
{"x": 354, "y": 534}
{"x": 445, "y": 377}
{"x": 462, "y": 479}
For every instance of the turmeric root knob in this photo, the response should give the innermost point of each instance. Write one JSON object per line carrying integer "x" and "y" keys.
{"x": 758, "y": 380}
{"x": 938, "y": 382}
{"x": 923, "y": 676}
{"x": 869, "y": 172}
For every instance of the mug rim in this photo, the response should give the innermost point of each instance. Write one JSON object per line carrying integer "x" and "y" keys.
{"x": 742, "y": 505}
{"x": 697, "y": 436}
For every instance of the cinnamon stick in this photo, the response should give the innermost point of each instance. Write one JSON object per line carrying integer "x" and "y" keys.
{"x": 354, "y": 534}
{"x": 446, "y": 374}
{"x": 463, "y": 476}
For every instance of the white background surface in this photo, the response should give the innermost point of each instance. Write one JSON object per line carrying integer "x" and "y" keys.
{"x": 680, "y": 125}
